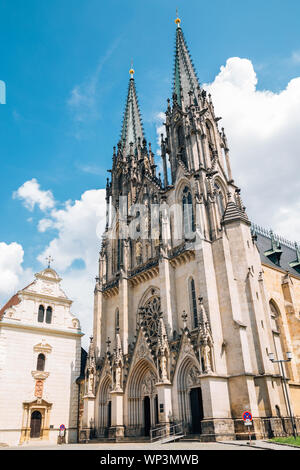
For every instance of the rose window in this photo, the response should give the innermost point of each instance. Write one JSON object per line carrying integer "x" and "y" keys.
{"x": 150, "y": 314}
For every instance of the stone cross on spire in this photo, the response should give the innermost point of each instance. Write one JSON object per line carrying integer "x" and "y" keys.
{"x": 49, "y": 260}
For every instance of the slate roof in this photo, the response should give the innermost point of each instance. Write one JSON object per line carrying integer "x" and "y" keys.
{"x": 14, "y": 300}
{"x": 232, "y": 212}
{"x": 288, "y": 254}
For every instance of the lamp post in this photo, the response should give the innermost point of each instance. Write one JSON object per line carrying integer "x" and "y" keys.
{"x": 281, "y": 361}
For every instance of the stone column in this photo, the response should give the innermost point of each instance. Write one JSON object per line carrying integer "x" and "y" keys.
{"x": 165, "y": 411}
{"x": 88, "y": 420}
{"x": 117, "y": 415}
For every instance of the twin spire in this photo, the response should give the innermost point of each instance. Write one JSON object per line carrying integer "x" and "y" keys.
{"x": 185, "y": 78}
{"x": 132, "y": 128}
{"x": 185, "y": 82}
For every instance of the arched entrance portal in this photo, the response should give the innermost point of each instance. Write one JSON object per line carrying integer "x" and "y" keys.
{"x": 156, "y": 409}
{"x": 104, "y": 422}
{"x": 142, "y": 401}
{"x": 109, "y": 415}
{"x": 190, "y": 396}
{"x": 147, "y": 416}
{"x": 35, "y": 424}
{"x": 196, "y": 409}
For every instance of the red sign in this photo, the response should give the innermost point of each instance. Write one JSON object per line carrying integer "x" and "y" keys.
{"x": 247, "y": 416}
{"x": 62, "y": 427}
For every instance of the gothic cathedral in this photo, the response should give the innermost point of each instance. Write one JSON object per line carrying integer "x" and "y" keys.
{"x": 184, "y": 325}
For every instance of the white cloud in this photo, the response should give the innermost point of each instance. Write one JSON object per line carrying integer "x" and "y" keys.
{"x": 78, "y": 235}
{"x": 31, "y": 195}
{"x": 12, "y": 275}
{"x": 45, "y": 224}
{"x": 79, "y": 226}
{"x": 75, "y": 248}
{"x": 262, "y": 128}
{"x": 11, "y": 259}
{"x": 160, "y": 129}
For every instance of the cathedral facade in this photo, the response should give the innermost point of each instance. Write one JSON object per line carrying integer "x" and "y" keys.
{"x": 191, "y": 299}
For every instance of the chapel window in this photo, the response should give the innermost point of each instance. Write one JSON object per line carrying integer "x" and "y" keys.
{"x": 41, "y": 314}
{"x": 49, "y": 315}
{"x": 41, "y": 362}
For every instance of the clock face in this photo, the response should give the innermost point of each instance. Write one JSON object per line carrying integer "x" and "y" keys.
{"x": 177, "y": 116}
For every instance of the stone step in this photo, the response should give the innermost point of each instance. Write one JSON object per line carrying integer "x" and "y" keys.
{"x": 177, "y": 437}
{"x": 137, "y": 439}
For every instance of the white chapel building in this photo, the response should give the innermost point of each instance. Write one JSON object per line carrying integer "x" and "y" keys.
{"x": 40, "y": 355}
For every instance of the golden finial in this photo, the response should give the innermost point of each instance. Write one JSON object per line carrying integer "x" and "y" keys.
{"x": 178, "y": 20}
{"x": 131, "y": 71}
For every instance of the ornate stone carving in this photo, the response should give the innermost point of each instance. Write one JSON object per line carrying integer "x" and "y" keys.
{"x": 163, "y": 351}
{"x": 117, "y": 365}
{"x": 39, "y": 385}
{"x": 193, "y": 377}
{"x": 42, "y": 347}
{"x": 148, "y": 384}
{"x": 142, "y": 350}
{"x": 39, "y": 375}
{"x": 205, "y": 341}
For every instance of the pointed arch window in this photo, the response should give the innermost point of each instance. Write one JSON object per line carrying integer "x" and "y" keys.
{"x": 188, "y": 213}
{"x": 49, "y": 315}
{"x": 210, "y": 134}
{"x": 119, "y": 254}
{"x": 277, "y": 338}
{"x": 193, "y": 303}
{"x": 41, "y": 360}
{"x": 220, "y": 199}
{"x": 117, "y": 319}
{"x": 181, "y": 145}
{"x": 41, "y": 314}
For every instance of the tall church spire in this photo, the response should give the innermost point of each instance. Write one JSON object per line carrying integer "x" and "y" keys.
{"x": 185, "y": 78}
{"x": 132, "y": 127}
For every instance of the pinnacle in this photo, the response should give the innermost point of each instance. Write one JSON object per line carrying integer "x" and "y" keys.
{"x": 132, "y": 127}
{"x": 185, "y": 77}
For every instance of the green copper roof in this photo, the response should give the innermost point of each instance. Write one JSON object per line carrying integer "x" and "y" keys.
{"x": 184, "y": 74}
{"x": 132, "y": 127}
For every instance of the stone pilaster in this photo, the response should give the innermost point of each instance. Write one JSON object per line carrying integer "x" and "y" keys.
{"x": 165, "y": 411}
{"x": 116, "y": 431}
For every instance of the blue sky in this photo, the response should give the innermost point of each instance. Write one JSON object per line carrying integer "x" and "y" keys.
{"x": 65, "y": 64}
